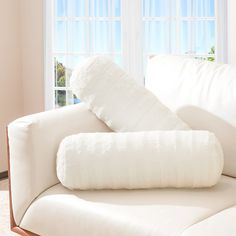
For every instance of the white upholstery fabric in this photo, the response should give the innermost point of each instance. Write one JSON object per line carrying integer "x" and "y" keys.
{"x": 221, "y": 224}
{"x": 160, "y": 212}
{"x": 34, "y": 141}
{"x": 118, "y": 100}
{"x": 140, "y": 160}
{"x": 202, "y": 93}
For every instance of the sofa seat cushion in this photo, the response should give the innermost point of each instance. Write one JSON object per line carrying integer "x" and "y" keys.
{"x": 222, "y": 223}
{"x": 62, "y": 212}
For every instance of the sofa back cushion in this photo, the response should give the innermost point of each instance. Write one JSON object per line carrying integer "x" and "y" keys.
{"x": 202, "y": 93}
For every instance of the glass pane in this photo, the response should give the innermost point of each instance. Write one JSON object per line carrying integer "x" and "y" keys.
{"x": 101, "y": 36}
{"x": 204, "y": 8}
{"x": 145, "y": 60}
{"x": 117, "y": 7}
{"x": 197, "y": 37}
{"x": 60, "y": 98}
{"x": 76, "y": 8}
{"x": 185, "y": 37}
{"x": 210, "y": 8}
{"x": 117, "y": 36}
{"x": 201, "y": 37}
{"x": 155, "y": 8}
{"x": 99, "y": 8}
{"x": 77, "y": 36}
{"x": 60, "y": 36}
{"x": 118, "y": 60}
{"x": 199, "y": 8}
{"x": 156, "y": 37}
{"x": 61, "y": 8}
{"x": 71, "y": 98}
{"x": 205, "y": 37}
{"x": 174, "y": 38}
{"x": 72, "y": 62}
{"x": 186, "y": 8}
{"x": 211, "y": 37}
{"x": 59, "y": 72}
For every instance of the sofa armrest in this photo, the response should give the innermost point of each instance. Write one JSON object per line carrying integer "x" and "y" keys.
{"x": 33, "y": 143}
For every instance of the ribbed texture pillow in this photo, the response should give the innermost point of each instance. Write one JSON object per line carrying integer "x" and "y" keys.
{"x": 119, "y": 100}
{"x": 140, "y": 160}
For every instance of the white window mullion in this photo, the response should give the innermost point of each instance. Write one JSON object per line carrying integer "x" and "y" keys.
{"x": 87, "y": 29}
{"x": 110, "y": 28}
{"x": 170, "y": 23}
{"x": 178, "y": 28}
{"x": 92, "y": 28}
{"x": 68, "y": 35}
{"x": 131, "y": 18}
{"x": 206, "y": 34}
{"x": 191, "y": 28}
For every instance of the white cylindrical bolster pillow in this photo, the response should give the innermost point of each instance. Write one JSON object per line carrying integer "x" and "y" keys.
{"x": 140, "y": 160}
{"x": 119, "y": 100}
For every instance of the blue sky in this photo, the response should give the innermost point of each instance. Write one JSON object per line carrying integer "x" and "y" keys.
{"x": 155, "y": 33}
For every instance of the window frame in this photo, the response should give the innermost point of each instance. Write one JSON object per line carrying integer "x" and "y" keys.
{"x": 48, "y": 55}
{"x": 221, "y": 13}
{"x": 132, "y": 42}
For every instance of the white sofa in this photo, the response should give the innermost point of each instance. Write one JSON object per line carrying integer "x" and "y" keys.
{"x": 40, "y": 205}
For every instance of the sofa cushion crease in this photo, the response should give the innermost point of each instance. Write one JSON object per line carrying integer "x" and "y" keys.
{"x": 218, "y": 224}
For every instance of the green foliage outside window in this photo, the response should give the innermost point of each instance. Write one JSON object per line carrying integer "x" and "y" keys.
{"x": 60, "y": 81}
{"x": 60, "y": 98}
{"x": 63, "y": 96}
{"x": 60, "y": 74}
{"x": 212, "y": 52}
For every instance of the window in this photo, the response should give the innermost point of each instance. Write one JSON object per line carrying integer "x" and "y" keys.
{"x": 129, "y": 32}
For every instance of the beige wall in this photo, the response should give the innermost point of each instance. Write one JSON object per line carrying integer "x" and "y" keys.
{"x": 231, "y": 31}
{"x": 11, "y": 104}
{"x": 21, "y": 63}
{"x": 31, "y": 15}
